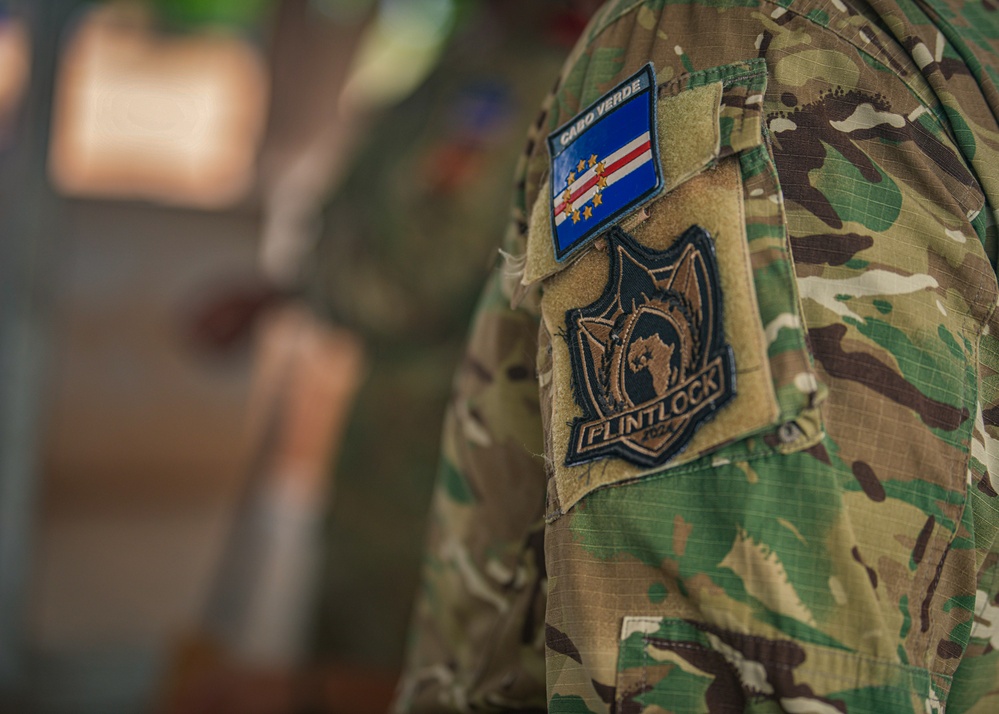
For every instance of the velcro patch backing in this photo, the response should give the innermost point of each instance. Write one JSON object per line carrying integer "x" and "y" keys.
{"x": 711, "y": 199}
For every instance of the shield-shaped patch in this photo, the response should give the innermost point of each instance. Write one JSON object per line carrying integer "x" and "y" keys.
{"x": 649, "y": 359}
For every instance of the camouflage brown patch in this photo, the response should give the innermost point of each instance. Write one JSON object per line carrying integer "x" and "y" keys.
{"x": 649, "y": 359}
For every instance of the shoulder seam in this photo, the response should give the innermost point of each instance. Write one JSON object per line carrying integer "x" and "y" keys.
{"x": 611, "y": 19}
{"x": 883, "y": 56}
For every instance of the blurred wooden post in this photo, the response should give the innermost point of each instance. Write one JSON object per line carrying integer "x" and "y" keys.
{"x": 304, "y": 381}
{"x": 302, "y": 392}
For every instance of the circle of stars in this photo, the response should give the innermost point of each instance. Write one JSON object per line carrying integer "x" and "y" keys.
{"x": 585, "y": 212}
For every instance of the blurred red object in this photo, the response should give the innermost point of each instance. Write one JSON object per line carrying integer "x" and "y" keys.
{"x": 225, "y": 319}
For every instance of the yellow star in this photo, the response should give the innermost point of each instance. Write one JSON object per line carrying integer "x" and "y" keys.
{"x": 598, "y": 199}
{"x": 593, "y": 160}
{"x": 601, "y": 168}
{"x": 582, "y": 165}
{"x": 572, "y": 178}
{"x": 567, "y": 196}
{"x": 587, "y": 213}
{"x": 575, "y": 216}
{"x": 602, "y": 182}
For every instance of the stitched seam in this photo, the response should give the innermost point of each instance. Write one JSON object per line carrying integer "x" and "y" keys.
{"x": 912, "y": 671}
{"x": 693, "y": 467}
{"x": 860, "y": 48}
{"x": 759, "y": 157}
{"x": 824, "y": 649}
{"x": 678, "y": 84}
{"x": 611, "y": 20}
{"x": 966, "y": 462}
{"x": 967, "y": 192}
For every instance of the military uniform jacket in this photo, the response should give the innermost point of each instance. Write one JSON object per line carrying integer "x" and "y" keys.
{"x": 724, "y": 438}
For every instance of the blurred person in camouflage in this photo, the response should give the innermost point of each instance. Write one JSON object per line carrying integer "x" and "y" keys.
{"x": 404, "y": 249}
{"x": 724, "y": 435}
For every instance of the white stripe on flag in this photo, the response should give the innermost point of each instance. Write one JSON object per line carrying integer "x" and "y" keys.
{"x": 613, "y": 178}
{"x": 609, "y": 159}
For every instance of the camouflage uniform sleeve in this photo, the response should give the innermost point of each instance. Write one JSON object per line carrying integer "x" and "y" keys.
{"x": 814, "y": 531}
{"x": 477, "y": 636}
{"x": 767, "y": 388}
{"x": 475, "y": 640}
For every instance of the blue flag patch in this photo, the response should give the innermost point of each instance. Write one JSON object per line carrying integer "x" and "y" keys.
{"x": 605, "y": 162}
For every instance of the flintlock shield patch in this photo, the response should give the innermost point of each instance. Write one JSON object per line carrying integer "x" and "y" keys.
{"x": 650, "y": 363}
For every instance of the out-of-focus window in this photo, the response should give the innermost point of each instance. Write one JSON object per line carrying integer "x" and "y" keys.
{"x": 174, "y": 118}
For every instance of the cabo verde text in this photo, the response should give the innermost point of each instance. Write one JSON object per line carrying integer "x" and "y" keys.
{"x": 608, "y": 103}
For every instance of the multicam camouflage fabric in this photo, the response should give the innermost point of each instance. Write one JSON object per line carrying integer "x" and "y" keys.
{"x": 404, "y": 250}
{"x": 830, "y": 545}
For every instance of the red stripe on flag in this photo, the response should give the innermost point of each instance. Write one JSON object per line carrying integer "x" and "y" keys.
{"x": 608, "y": 172}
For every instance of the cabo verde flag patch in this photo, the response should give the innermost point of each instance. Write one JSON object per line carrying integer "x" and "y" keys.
{"x": 604, "y": 162}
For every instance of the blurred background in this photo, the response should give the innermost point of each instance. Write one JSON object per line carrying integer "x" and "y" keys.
{"x": 239, "y": 244}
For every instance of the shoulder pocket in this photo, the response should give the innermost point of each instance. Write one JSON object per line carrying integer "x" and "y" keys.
{"x": 675, "y": 337}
